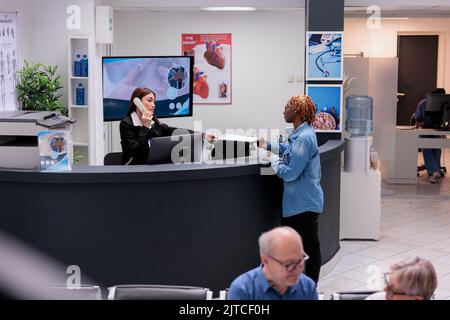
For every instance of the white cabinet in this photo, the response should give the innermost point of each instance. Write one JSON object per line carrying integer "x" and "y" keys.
{"x": 360, "y": 205}
{"x": 82, "y": 146}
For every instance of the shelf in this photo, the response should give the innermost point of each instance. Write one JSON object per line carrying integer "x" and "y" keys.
{"x": 82, "y": 45}
{"x": 78, "y": 106}
{"x": 80, "y": 144}
{"x": 79, "y": 78}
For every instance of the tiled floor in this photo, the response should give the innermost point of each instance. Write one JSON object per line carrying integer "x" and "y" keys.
{"x": 415, "y": 220}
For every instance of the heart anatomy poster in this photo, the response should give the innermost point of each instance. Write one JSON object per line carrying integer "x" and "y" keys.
{"x": 8, "y": 61}
{"x": 212, "y": 66}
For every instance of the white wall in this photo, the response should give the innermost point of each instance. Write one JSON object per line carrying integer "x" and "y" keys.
{"x": 267, "y": 48}
{"x": 377, "y": 78}
{"x": 42, "y": 32}
{"x": 43, "y": 38}
{"x": 383, "y": 42}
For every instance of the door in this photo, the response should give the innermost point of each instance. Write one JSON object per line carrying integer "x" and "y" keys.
{"x": 417, "y": 73}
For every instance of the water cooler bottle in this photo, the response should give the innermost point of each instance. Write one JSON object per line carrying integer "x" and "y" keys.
{"x": 358, "y": 124}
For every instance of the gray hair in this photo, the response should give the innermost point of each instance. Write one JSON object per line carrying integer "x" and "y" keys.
{"x": 416, "y": 276}
{"x": 267, "y": 239}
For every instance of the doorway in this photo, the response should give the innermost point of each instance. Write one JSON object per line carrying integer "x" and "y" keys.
{"x": 417, "y": 72}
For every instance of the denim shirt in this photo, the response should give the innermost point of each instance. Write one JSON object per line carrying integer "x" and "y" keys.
{"x": 253, "y": 285}
{"x": 298, "y": 164}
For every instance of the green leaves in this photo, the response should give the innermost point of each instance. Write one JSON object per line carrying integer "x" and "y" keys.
{"x": 38, "y": 88}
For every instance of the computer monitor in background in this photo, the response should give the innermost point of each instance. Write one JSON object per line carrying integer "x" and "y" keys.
{"x": 170, "y": 77}
{"x": 437, "y": 109}
{"x": 183, "y": 148}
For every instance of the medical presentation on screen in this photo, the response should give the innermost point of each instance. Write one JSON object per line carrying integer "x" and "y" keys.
{"x": 169, "y": 77}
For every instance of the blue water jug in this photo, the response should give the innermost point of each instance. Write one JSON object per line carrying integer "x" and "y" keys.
{"x": 77, "y": 66}
{"x": 80, "y": 95}
{"x": 358, "y": 119}
{"x": 84, "y": 66}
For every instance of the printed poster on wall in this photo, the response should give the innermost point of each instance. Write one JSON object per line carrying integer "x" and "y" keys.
{"x": 328, "y": 100}
{"x": 9, "y": 62}
{"x": 212, "y": 66}
{"x": 324, "y": 58}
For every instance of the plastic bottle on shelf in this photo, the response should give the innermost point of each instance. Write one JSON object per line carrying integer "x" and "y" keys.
{"x": 84, "y": 66}
{"x": 80, "y": 95}
{"x": 77, "y": 66}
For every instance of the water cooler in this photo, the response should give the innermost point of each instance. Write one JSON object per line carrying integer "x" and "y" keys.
{"x": 360, "y": 182}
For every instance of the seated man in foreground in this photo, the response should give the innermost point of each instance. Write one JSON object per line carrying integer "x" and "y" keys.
{"x": 280, "y": 275}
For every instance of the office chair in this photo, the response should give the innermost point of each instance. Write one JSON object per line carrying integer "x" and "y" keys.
{"x": 223, "y": 294}
{"x": 158, "y": 292}
{"x": 351, "y": 295}
{"x": 82, "y": 292}
{"x": 113, "y": 159}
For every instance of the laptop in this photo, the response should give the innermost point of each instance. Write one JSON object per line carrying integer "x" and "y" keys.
{"x": 185, "y": 148}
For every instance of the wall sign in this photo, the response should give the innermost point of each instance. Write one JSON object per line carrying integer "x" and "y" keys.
{"x": 324, "y": 57}
{"x": 328, "y": 101}
{"x": 212, "y": 66}
{"x": 9, "y": 62}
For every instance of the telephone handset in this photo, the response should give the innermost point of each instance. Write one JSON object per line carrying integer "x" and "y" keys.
{"x": 139, "y": 104}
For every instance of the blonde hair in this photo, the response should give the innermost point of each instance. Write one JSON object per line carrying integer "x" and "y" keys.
{"x": 416, "y": 276}
{"x": 304, "y": 107}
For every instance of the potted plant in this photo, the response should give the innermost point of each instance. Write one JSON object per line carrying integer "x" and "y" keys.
{"x": 38, "y": 88}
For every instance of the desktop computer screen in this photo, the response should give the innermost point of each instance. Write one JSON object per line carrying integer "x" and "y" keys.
{"x": 438, "y": 109}
{"x": 182, "y": 148}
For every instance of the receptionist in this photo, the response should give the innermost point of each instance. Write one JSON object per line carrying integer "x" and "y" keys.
{"x": 139, "y": 127}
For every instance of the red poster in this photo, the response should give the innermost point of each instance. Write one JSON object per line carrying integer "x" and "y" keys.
{"x": 212, "y": 66}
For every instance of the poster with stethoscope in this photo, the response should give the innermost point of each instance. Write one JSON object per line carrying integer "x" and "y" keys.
{"x": 8, "y": 61}
{"x": 324, "y": 58}
{"x": 212, "y": 66}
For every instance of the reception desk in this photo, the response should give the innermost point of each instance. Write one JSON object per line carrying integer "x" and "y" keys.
{"x": 191, "y": 224}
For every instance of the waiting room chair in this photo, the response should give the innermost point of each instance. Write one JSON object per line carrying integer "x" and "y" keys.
{"x": 223, "y": 294}
{"x": 113, "y": 159}
{"x": 351, "y": 295}
{"x": 82, "y": 292}
{"x": 158, "y": 292}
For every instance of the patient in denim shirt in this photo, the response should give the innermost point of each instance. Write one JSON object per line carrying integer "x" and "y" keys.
{"x": 297, "y": 162}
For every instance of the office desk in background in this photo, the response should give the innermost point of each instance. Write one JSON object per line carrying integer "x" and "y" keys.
{"x": 407, "y": 144}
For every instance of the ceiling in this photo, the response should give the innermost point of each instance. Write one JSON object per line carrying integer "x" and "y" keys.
{"x": 353, "y": 8}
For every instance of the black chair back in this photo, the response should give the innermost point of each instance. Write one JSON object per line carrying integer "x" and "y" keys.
{"x": 113, "y": 159}
{"x": 158, "y": 292}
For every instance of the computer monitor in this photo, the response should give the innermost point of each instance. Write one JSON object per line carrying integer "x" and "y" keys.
{"x": 437, "y": 109}
{"x": 183, "y": 148}
{"x": 170, "y": 77}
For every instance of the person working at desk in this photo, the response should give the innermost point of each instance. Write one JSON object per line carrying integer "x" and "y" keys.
{"x": 431, "y": 157}
{"x": 298, "y": 164}
{"x": 139, "y": 127}
{"x": 280, "y": 276}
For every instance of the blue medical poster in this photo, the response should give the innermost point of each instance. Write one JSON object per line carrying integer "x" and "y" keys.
{"x": 328, "y": 101}
{"x": 53, "y": 150}
{"x": 324, "y": 58}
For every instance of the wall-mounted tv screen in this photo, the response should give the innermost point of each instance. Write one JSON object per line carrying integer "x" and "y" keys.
{"x": 170, "y": 77}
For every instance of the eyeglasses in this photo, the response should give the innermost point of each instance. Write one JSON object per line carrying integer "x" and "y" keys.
{"x": 292, "y": 266}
